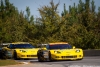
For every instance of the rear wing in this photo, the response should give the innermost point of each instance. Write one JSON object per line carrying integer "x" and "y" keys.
{"x": 42, "y": 45}
{"x": 20, "y": 43}
{"x": 4, "y": 44}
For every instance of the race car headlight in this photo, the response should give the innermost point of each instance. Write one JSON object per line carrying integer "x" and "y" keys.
{"x": 57, "y": 52}
{"x": 77, "y": 50}
{"x": 22, "y": 51}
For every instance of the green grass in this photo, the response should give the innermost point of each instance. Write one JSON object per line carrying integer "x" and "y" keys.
{"x": 8, "y": 62}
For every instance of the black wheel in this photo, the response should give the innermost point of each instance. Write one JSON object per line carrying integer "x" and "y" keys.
{"x": 40, "y": 59}
{"x": 49, "y": 58}
{"x": 39, "y": 55}
{"x": 4, "y": 54}
{"x": 15, "y": 55}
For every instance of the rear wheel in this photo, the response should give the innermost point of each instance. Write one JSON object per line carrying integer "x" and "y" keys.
{"x": 4, "y": 55}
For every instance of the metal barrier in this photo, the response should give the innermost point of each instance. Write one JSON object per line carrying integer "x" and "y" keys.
{"x": 92, "y": 52}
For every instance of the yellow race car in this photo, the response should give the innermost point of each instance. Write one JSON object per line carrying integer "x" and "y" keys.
{"x": 18, "y": 50}
{"x": 59, "y": 51}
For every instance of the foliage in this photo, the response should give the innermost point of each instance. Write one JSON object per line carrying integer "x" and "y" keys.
{"x": 80, "y": 25}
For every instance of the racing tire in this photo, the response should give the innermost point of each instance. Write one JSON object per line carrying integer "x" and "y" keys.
{"x": 39, "y": 59}
{"x": 15, "y": 55}
{"x": 39, "y": 56}
{"x": 3, "y": 54}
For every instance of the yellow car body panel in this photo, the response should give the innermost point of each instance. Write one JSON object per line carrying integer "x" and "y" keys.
{"x": 22, "y": 52}
{"x": 66, "y": 54}
{"x": 27, "y": 53}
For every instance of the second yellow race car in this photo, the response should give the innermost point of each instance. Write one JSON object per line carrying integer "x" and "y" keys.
{"x": 20, "y": 50}
{"x": 59, "y": 51}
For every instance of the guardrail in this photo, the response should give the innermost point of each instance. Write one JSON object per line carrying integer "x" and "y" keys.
{"x": 92, "y": 52}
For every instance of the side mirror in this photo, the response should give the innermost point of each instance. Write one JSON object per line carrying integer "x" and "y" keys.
{"x": 73, "y": 47}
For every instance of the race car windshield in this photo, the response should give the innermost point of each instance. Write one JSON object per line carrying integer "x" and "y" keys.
{"x": 60, "y": 46}
{"x": 13, "y": 46}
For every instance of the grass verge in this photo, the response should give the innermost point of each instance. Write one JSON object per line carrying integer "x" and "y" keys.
{"x": 8, "y": 62}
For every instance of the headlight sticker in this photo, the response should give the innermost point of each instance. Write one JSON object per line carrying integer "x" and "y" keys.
{"x": 22, "y": 51}
{"x": 57, "y": 52}
{"x": 77, "y": 50}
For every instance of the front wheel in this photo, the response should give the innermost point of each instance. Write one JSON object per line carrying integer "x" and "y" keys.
{"x": 15, "y": 55}
{"x": 40, "y": 58}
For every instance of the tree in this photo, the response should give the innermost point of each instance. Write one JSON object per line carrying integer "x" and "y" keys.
{"x": 50, "y": 20}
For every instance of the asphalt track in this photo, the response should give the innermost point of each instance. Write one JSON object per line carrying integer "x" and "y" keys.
{"x": 85, "y": 62}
